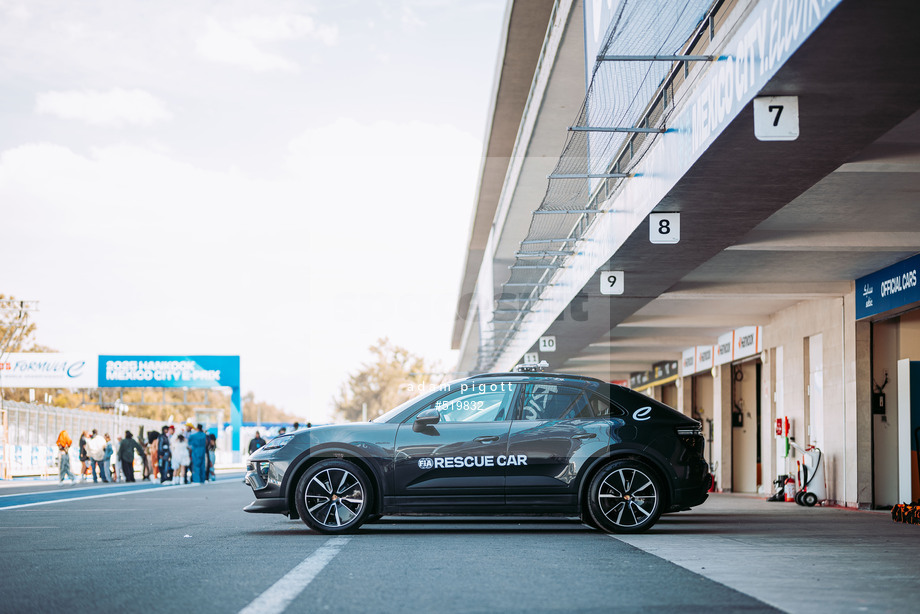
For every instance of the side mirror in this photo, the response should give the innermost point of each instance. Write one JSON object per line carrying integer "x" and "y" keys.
{"x": 426, "y": 418}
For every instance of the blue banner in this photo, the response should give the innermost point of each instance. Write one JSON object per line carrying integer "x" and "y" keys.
{"x": 888, "y": 289}
{"x": 169, "y": 371}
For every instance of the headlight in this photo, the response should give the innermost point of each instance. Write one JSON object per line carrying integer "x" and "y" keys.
{"x": 278, "y": 442}
{"x": 261, "y": 467}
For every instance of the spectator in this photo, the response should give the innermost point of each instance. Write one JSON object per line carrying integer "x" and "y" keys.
{"x": 296, "y": 426}
{"x": 95, "y": 448}
{"x": 63, "y": 444}
{"x": 180, "y": 458}
{"x": 164, "y": 455}
{"x": 212, "y": 456}
{"x": 85, "y": 462}
{"x": 282, "y": 431}
{"x": 174, "y": 432}
{"x": 119, "y": 474}
{"x": 256, "y": 443}
{"x": 107, "y": 459}
{"x": 145, "y": 457}
{"x": 153, "y": 454}
{"x": 198, "y": 449}
{"x": 126, "y": 455}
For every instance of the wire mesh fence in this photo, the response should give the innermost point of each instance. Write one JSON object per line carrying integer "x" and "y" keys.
{"x": 624, "y": 109}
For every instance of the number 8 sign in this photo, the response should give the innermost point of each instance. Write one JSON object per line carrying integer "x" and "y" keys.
{"x": 664, "y": 227}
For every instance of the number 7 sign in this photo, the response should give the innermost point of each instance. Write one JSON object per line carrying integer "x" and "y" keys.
{"x": 776, "y": 118}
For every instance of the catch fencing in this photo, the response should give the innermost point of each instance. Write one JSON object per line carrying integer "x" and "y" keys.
{"x": 30, "y": 431}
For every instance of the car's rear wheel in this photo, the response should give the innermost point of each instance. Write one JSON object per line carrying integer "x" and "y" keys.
{"x": 625, "y": 496}
{"x": 333, "y": 496}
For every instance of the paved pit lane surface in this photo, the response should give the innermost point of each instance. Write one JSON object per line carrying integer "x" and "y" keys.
{"x": 191, "y": 548}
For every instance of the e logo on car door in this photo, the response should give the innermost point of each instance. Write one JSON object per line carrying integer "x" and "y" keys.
{"x": 643, "y": 413}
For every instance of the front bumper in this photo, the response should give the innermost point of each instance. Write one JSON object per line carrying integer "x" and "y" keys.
{"x": 262, "y": 478}
{"x": 268, "y": 506}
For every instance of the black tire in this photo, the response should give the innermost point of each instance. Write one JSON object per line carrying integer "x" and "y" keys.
{"x": 333, "y": 496}
{"x": 586, "y": 519}
{"x": 809, "y": 499}
{"x": 798, "y": 498}
{"x": 625, "y": 496}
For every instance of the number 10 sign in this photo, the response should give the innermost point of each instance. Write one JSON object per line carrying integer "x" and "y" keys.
{"x": 612, "y": 282}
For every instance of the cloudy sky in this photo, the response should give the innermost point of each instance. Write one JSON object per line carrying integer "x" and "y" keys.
{"x": 283, "y": 180}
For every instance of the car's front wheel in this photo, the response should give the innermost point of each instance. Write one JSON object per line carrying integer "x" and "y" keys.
{"x": 625, "y": 496}
{"x": 333, "y": 496}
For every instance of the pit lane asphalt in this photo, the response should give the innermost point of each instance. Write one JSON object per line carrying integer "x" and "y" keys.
{"x": 192, "y": 549}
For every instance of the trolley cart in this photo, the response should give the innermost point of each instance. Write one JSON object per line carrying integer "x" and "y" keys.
{"x": 813, "y": 483}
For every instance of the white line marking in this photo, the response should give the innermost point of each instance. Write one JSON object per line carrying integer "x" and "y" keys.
{"x": 284, "y": 591}
{"x": 111, "y": 494}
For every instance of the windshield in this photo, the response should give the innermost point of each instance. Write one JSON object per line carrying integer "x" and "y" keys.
{"x": 397, "y": 410}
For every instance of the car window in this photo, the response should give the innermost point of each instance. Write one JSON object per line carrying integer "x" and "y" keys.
{"x": 603, "y": 408}
{"x": 476, "y": 403}
{"x": 552, "y": 402}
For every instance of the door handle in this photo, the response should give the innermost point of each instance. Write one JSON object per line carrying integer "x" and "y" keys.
{"x": 487, "y": 439}
{"x": 585, "y": 436}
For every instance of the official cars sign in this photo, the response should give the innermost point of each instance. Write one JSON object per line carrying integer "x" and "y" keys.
{"x": 891, "y": 288}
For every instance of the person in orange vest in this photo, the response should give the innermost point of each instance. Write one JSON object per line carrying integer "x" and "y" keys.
{"x": 63, "y": 443}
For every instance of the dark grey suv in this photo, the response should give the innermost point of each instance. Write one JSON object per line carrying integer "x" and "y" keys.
{"x": 501, "y": 443}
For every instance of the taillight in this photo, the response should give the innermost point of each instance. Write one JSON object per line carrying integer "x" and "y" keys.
{"x": 692, "y": 438}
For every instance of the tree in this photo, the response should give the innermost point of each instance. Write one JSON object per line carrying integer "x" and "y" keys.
{"x": 394, "y": 375}
{"x": 16, "y": 331}
{"x": 263, "y": 411}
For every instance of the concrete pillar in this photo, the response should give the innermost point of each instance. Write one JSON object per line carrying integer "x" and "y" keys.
{"x": 722, "y": 426}
{"x": 685, "y": 395}
{"x": 858, "y": 402}
{"x": 767, "y": 417}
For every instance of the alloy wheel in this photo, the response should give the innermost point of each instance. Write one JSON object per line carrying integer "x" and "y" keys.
{"x": 627, "y": 497}
{"x": 334, "y": 497}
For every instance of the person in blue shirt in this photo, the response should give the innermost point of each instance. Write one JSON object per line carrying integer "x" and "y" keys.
{"x": 198, "y": 447}
{"x": 107, "y": 459}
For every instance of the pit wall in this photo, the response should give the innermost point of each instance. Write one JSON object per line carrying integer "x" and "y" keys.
{"x": 813, "y": 365}
{"x": 892, "y": 340}
{"x": 815, "y": 370}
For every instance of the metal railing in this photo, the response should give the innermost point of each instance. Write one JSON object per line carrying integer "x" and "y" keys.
{"x": 30, "y": 431}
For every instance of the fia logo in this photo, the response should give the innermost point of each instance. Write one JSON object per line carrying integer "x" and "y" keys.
{"x": 425, "y": 463}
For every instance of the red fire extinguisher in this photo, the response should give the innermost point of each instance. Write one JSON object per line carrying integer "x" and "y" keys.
{"x": 789, "y": 490}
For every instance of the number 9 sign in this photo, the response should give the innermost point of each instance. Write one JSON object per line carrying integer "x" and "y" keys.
{"x": 612, "y": 282}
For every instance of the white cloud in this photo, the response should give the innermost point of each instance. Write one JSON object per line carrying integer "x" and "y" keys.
{"x": 389, "y": 220}
{"x": 286, "y": 27}
{"x": 116, "y": 107}
{"x": 238, "y": 43}
{"x": 363, "y": 238}
{"x": 131, "y": 251}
